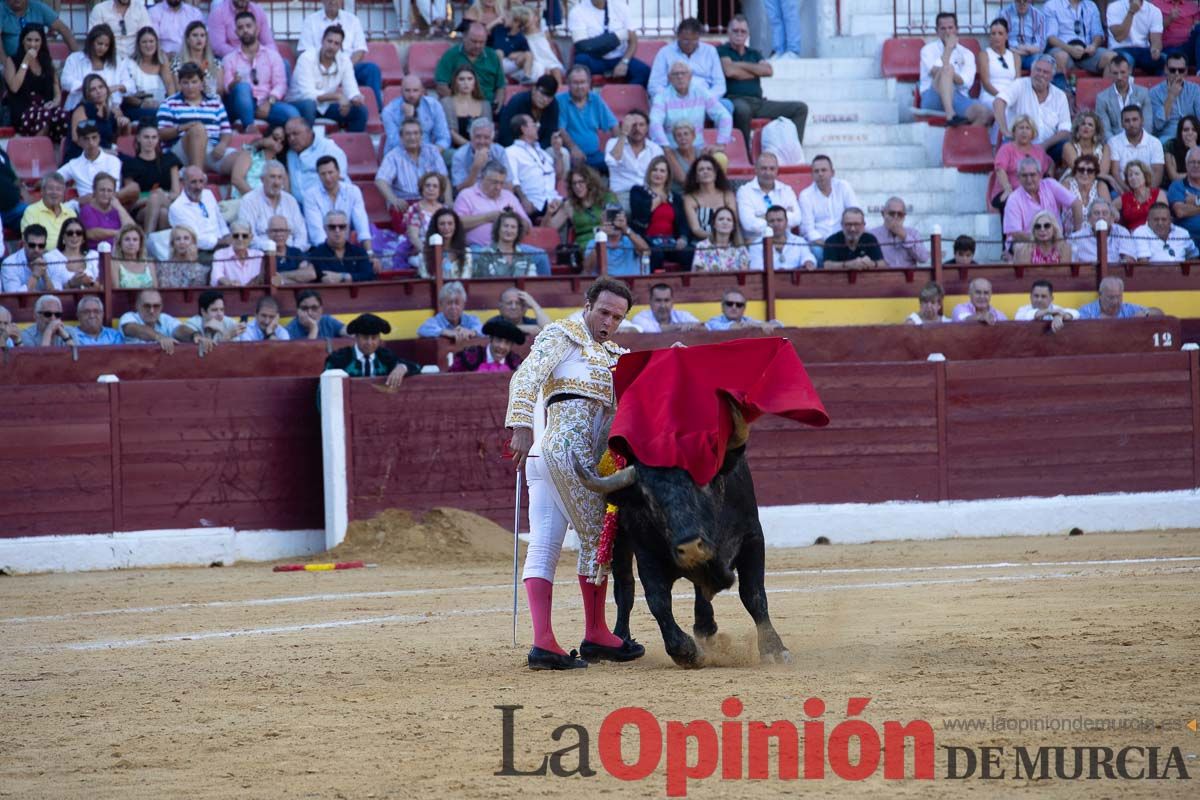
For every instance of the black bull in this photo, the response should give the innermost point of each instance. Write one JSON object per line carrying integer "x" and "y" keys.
{"x": 677, "y": 529}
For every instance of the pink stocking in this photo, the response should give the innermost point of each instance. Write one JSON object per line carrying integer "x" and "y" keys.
{"x": 595, "y": 627}
{"x": 541, "y": 598}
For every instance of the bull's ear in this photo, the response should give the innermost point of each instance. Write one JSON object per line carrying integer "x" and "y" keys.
{"x": 741, "y": 431}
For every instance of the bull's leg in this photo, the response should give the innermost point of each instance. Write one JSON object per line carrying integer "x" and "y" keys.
{"x": 680, "y": 647}
{"x": 706, "y": 624}
{"x": 751, "y": 564}
{"x": 623, "y": 591}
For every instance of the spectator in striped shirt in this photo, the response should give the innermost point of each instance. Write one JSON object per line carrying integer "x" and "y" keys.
{"x": 687, "y": 101}
{"x": 195, "y": 126}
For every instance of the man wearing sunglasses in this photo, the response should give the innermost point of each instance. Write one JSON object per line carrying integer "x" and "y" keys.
{"x": 902, "y": 246}
{"x": 28, "y": 269}
{"x": 148, "y": 323}
{"x": 337, "y": 260}
{"x": 733, "y": 315}
{"x": 49, "y": 331}
{"x": 126, "y": 18}
{"x": 1173, "y": 99}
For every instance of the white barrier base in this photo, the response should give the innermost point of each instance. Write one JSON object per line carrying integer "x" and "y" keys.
{"x": 859, "y": 523}
{"x": 783, "y": 526}
{"x": 164, "y": 548}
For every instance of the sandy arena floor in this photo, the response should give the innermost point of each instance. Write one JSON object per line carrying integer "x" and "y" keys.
{"x": 238, "y": 682}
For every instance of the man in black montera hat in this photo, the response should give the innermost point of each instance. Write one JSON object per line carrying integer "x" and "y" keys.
{"x": 367, "y": 357}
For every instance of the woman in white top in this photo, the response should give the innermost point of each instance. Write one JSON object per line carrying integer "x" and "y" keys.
{"x": 147, "y": 77}
{"x": 80, "y": 268}
{"x": 996, "y": 65}
{"x": 98, "y": 56}
{"x": 930, "y": 300}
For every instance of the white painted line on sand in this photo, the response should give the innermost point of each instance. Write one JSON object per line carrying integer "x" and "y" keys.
{"x": 402, "y": 619}
{"x": 338, "y": 596}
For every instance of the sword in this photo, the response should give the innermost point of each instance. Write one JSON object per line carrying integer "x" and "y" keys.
{"x": 516, "y": 533}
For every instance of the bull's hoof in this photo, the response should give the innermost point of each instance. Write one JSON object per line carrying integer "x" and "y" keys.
{"x": 628, "y": 651}
{"x": 690, "y": 656}
{"x": 545, "y": 659}
{"x": 782, "y": 657}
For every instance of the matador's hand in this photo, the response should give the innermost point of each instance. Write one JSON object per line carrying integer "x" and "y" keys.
{"x": 522, "y": 441}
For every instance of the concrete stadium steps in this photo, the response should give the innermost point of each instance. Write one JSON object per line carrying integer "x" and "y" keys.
{"x": 846, "y": 157}
{"x": 820, "y": 69}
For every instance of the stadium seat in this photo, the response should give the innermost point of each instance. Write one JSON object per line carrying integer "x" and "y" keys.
{"x": 374, "y": 122}
{"x": 739, "y": 158}
{"x": 287, "y": 52}
{"x": 512, "y": 90}
{"x": 622, "y": 98}
{"x": 647, "y": 49}
{"x": 423, "y": 58}
{"x": 1086, "y": 90}
{"x": 799, "y": 181}
{"x": 967, "y": 149}
{"x": 902, "y": 58}
{"x": 127, "y": 145}
{"x": 25, "y": 150}
{"x": 385, "y": 56}
{"x": 545, "y": 238}
{"x": 377, "y": 211}
{"x": 360, "y": 154}
{"x": 58, "y": 51}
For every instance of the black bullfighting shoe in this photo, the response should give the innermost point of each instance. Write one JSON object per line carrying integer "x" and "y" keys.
{"x": 628, "y": 651}
{"x": 545, "y": 659}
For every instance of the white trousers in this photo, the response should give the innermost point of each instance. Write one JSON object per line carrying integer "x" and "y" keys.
{"x": 548, "y": 523}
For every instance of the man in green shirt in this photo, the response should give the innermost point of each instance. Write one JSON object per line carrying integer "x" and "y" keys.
{"x": 15, "y": 14}
{"x": 475, "y": 53}
{"x": 744, "y": 70}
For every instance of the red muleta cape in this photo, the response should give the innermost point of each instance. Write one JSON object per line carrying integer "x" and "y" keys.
{"x": 671, "y": 409}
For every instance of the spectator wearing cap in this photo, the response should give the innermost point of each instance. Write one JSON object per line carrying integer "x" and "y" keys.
{"x": 540, "y": 103}
{"x": 311, "y": 322}
{"x": 584, "y": 116}
{"x": 497, "y": 355}
{"x": 413, "y": 103}
{"x": 451, "y": 321}
{"x": 265, "y": 326}
{"x": 482, "y": 204}
{"x": 902, "y": 246}
{"x": 367, "y": 357}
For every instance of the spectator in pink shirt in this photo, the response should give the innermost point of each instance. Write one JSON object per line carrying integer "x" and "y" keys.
{"x": 1037, "y": 194}
{"x": 480, "y": 205}
{"x": 1179, "y": 35}
{"x": 979, "y": 307}
{"x": 239, "y": 264}
{"x": 1024, "y": 131}
{"x": 222, "y": 26}
{"x": 255, "y": 79}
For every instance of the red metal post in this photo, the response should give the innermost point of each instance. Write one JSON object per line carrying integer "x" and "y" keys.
{"x": 114, "y": 447}
{"x": 769, "y": 275}
{"x": 935, "y": 252}
{"x": 107, "y": 281}
{"x": 1101, "y": 254}
{"x": 271, "y": 272}
{"x": 435, "y": 268}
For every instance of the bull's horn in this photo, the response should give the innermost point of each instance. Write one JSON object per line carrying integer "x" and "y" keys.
{"x": 741, "y": 431}
{"x": 620, "y": 479}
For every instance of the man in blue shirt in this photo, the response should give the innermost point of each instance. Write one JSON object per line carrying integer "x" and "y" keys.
{"x": 337, "y": 260}
{"x": 413, "y": 103}
{"x": 700, "y": 56}
{"x": 1111, "y": 304}
{"x": 92, "y": 330}
{"x": 304, "y": 150}
{"x": 1184, "y": 196}
{"x": 452, "y": 322}
{"x": 583, "y": 115}
{"x": 311, "y": 322}
{"x": 1173, "y": 99}
{"x": 625, "y": 248}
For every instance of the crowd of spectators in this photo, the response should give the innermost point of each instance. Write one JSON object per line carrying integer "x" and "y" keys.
{"x": 481, "y": 172}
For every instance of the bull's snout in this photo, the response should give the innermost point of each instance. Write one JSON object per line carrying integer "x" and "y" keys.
{"x": 692, "y": 553}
